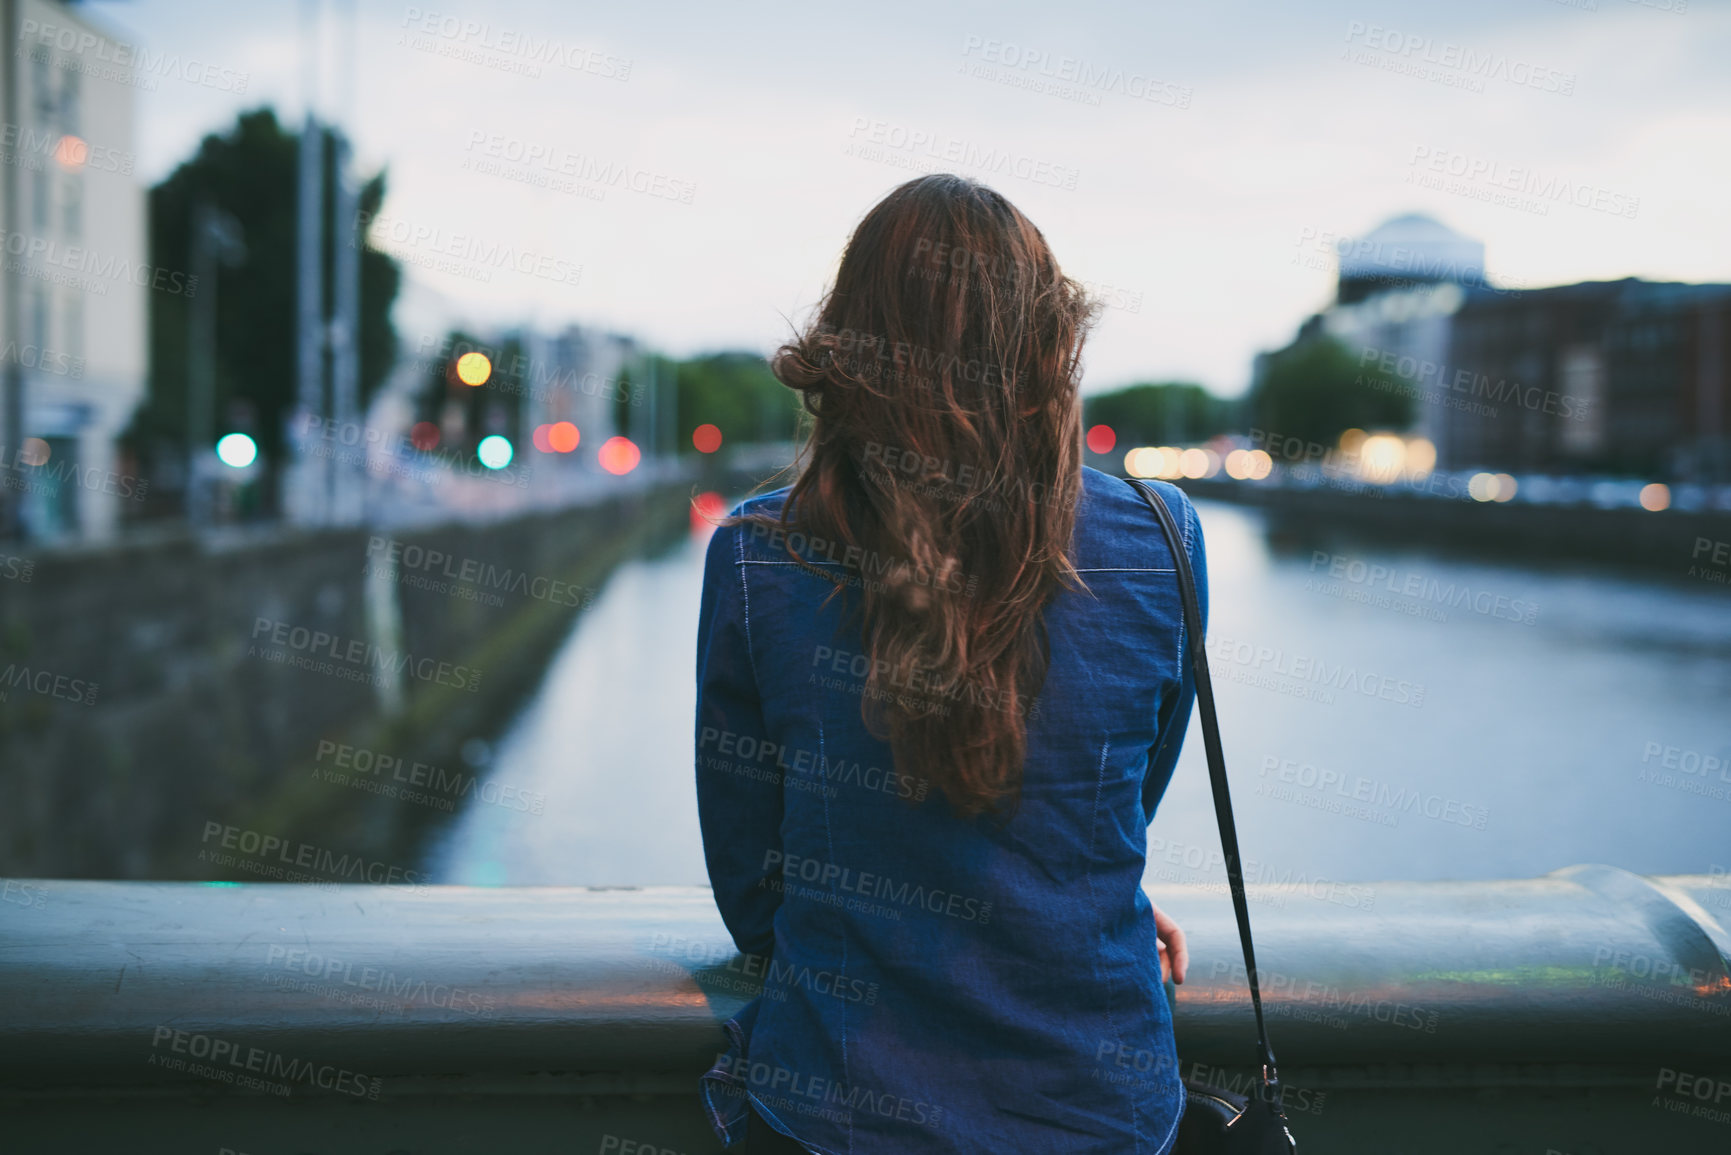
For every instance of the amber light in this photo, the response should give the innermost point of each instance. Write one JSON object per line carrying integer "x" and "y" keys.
{"x": 474, "y": 369}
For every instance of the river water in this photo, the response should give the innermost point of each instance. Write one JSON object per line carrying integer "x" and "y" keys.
{"x": 1414, "y": 716}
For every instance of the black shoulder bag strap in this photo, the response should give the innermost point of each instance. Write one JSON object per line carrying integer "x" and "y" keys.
{"x": 1216, "y": 773}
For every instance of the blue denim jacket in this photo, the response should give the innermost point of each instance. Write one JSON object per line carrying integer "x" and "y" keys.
{"x": 933, "y": 984}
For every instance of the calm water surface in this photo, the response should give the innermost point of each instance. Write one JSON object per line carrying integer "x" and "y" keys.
{"x": 1366, "y": 740}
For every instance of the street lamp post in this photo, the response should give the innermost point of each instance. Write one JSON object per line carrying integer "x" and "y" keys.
{"x": 343, "y": 329}
{"x": 216, "y": 241}
{"x": 11, "y": 368}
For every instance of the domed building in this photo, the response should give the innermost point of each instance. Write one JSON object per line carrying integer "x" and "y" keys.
{"x": 1407, "y": 251}
{"x": 1626, "y": 377}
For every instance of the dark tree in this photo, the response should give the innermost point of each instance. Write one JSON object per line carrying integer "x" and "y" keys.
{"x": 736, "y": 393}
{"x": 1173, "y": 413}
{"x": 251, "y": 173}
{"x": 1311, "y": 389}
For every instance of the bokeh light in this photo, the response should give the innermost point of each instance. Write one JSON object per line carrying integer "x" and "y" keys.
{"x": 619, "y": 456}
{"x": 494, "y": 452}
{"x": 706, "y": 438}
{"x": 424, "y": 436}
{"x": 1492, "y": 487}
{"x": 237, "y": 450}
{"x": 1194, "y": 463}
{"x": 1101, "y": 439}
{"x": 474, "y": 368}
{"x": 34, "y": 451}
{"x": 1248, "y": 464}
{"x": 1163, "y": 462}
{"x": 706, "y": 510}
{"x": 71, "y": 152}
{"x": 540, "y": 440}
{"x": 563, "y": 437}
{"x": 1381, "y": 458}
{"x": 1420, "y": 457}
{"x": 1656, "y": 497}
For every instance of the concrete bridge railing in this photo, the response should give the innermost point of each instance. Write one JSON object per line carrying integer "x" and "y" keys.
{"x": 1585, "y": 1011}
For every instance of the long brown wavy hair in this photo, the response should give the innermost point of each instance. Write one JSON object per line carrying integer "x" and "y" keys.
{"x": 944, "y": 465}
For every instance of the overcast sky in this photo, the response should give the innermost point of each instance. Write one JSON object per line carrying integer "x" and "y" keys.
{"x": 1202, "y": 211}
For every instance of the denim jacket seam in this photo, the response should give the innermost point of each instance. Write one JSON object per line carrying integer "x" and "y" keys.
{"x": 745, "y": 607}
{"x": 1099, "y": 915}
{"x": 829, "y": 848}
{"x": 1122, "y": 569}
{"x": 1166, "y": 1147}
{"x": 1183, "y": 619}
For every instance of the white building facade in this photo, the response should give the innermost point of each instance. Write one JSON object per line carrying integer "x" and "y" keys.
{"x": 73, "y": 296}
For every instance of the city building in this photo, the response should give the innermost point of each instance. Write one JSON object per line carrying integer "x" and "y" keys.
{"x": 1396, "y": 294}
{"x": 1407, "y": 252}
{"x": 75, "y": 281}
{"x": 1625, "y": 377}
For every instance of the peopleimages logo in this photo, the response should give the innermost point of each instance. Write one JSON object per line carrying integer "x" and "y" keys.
{"x": 229, "y": 1062}
{"x": 395, "y": 556}
{"x": 1396, "y": 800}
{"x": 127, "y": 63}
{"x": 531, "y": 377}
{"x": 1012, "y": 63}
{"x": 1304, "y": 675}
{"x": 490, "y": 152}
{"x": 767, "y": 761}
{"x": 43, "y": 360}
{"x": 351, "y": 657}
{"x": 32, "y": 148}
{"x": 358, "y": 766}
{"x": 274, "y": 852}
{"x": 926, "y": 150}
{"x": 1546, "y": 187}
{"x": 1412, "y": 52}
{"x": 47, "y": 683}
{"x": 708, "y": 956}
{"x": 463, "y": 254}
{"x": 1474, "y": 383}
{"x": 1701, "y": 1096}
{"x": 20, "y": 469}
{"x": 831, "y": 879}
{"x": 50, "y": 254}
{"x": 1377, "y": 577}
{"x": 334, "y": 973}
{"x": 469, "y": 39}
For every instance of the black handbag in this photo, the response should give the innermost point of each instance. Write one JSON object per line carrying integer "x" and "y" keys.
{"x": 1217, "y": 1120}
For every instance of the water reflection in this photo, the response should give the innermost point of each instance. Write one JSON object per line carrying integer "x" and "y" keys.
{"x": 607, "y": 741}
{"x": 1386, "y": 716}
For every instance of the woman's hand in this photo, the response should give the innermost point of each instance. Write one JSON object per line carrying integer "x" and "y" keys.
{"x": 1174, "y": 955}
